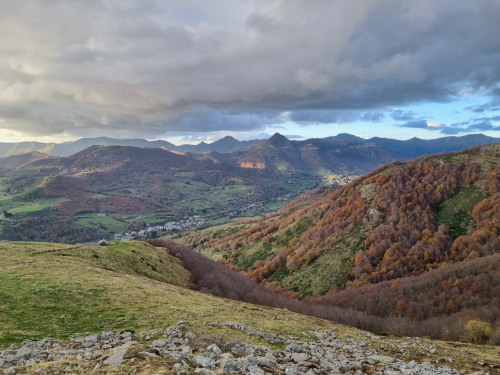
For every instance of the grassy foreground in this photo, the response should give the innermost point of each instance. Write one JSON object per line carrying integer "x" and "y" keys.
{"x": 61, "y": 290}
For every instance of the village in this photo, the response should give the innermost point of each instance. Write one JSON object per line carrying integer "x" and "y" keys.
{"x": 196, "y": 222}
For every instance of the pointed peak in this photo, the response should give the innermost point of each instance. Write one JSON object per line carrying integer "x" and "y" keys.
{"x": 278, "y": 140}
{"x": 228, "y": 138}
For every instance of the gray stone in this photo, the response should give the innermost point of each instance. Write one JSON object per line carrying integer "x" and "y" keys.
{"x": 106, "y": 335}
{"x": 10, "y": 371}
{"x": 254, "y": 370}
{"x": 225, "y": 358}
{"x": 125, "y": 335}
{"x": 119, "y": 353}
{"x": 24, "y": 352}
{"x": 381, "y": 358}
{"x": 203, "y": 360}
{"x": 115, "y": 359}
{"x": 300, "y": 357}
{"x": 159, "y": 343}
{"x": 214, "y": 348}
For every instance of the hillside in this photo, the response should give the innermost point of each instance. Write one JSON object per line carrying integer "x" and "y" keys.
{"x": 127, "y": 308}
{"x": 16, "y": 161}
{"x": 424, "y": 217}
{"x": 319, "y": 157}
{"x": 52, "y": 195}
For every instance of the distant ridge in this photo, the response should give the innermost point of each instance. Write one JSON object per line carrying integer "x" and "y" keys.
{"x": 16, "y": 161}
{"x": 418, "y": 147}
{"x": 226, "y": 144}
{"x": 408, "y": 148}
{"x": 344, "y": 136}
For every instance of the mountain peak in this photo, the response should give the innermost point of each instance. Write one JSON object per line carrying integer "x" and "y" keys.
{"x": 228, "y": 138}
{"x": 278, "y": 141}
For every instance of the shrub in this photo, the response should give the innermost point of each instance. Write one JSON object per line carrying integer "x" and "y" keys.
{"x": 495, "y": 338}
{"x": 479, "y": 332}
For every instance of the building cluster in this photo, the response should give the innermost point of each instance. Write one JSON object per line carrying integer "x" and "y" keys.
{"x": 188, "y": 223}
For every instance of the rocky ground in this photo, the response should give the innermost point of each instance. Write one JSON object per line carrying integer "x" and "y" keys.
{"x": 177, "y": 349}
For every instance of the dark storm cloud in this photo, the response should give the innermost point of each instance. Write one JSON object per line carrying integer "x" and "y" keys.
{"x": 147, "y": 67}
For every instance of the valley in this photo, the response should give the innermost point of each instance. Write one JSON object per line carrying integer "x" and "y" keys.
{"x": 290, "y": 253}
{"x": 109, "y": 190}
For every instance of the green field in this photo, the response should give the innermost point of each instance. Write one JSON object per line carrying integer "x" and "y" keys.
{"x": 456, "y": 211}
{"x": 107, "y": 223}
{"x": 15, "y": 206}
{"x": 276, "y": 205}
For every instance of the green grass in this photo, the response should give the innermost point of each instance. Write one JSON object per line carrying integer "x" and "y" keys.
{"x": 30, "y": 208}
{"x": 108, "y": 223}
{"x": 247, "y": 256}
{"x": 97, "y": 195}
{"x": 90, "y": 289}
{"x": 276, "y": 205}
{"x": 456, "y": 212}
{"x": 19, "y": 207}
{"x": 58, "y": 290}
{"x": 332, "y": 268}
{"x": 83, "y": 284}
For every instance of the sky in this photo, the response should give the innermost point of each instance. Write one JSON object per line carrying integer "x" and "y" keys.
{"x": 188, "y": 71}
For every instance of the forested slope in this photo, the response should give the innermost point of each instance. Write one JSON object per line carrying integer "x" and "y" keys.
{"x": 401, "y": 231}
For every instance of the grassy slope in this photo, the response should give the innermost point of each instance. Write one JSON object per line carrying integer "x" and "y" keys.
{"x": 58, "y": 290}
{"x": 93, "y": 287}
{"x": 456, "y": 211}
{"x": 333, "y": 268}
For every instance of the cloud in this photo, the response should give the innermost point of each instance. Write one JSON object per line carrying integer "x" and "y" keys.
{"x": 310, "y": 117}
{"x": 492, "y": 105}
{"x": 474, "y": 125}
{"x": 400, "y": 115}
{"x": 149, "y": 68}
{"x": 422, "y": 124}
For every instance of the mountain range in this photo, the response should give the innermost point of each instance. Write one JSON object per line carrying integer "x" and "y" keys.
{"x": 130, "y": 180}
{"x": 410, "y": 148}
{"x": 226, "y": 144}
